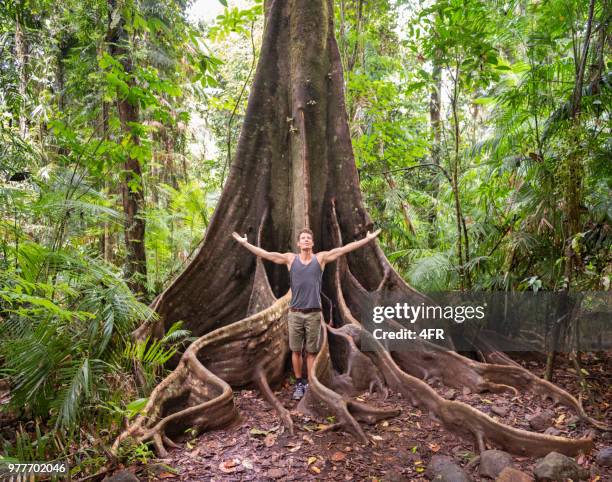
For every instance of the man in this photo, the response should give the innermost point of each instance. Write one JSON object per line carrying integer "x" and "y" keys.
{"x": 305, "y": 272}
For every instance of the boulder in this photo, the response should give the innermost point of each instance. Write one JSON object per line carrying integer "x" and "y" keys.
{"x": 492, "y": 462}
{"x": 558, "y": 467}
{"x": 510, "y": 474}
{"x": 604, "y": 457}
{"x": 443, "y": 468}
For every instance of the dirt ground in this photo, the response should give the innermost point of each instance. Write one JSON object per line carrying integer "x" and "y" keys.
{"x": 260, "y": 449}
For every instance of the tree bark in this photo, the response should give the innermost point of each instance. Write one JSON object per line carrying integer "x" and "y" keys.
{"x": 133, "y": 205}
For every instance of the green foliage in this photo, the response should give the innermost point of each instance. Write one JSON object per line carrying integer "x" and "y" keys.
{"x": 175, "y": 228}
{"x": 512, "y": 68}
{"x": 133, "y": 453}
{"x": 151, "y": 355}
{"x": 58, "y": 357}
{"x": 30, "y": 448}
{"x": 235, "y": 20}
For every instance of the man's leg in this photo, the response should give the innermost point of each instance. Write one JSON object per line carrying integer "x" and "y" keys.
{"x": 296, "y": 361}
{"x": 297, "y": 333}
{"x": 313, "y": 332}
{"x": 310, "y": 358}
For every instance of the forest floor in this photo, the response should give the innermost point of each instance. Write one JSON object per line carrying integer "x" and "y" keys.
{"x": 260, "y": 449}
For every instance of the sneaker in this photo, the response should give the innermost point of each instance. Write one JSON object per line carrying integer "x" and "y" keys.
{"x": 298, "y": 393}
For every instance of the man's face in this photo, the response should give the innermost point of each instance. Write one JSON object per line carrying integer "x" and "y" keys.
{"x": 305, "y": 241}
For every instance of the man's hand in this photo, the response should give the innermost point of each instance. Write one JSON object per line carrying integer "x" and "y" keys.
{"x": 373, "y": 235}
{"x": 329, "y": 256}
{"x": 239, "y": 238}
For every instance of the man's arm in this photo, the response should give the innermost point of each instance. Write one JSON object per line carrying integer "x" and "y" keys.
{"x": 332, "y": 255}
{"x": 278, "y": 258}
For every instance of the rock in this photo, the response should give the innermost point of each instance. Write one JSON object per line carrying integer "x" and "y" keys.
{"x": 122, "y": 476}
{"x": 542, "y": 420}
{"x": 443, "y": 468}
{"x": 492, "y": 462}
{"x": 552, "y": 431}
{"x": 466, "y": 391}
{"x": 557, "y": 467}
{"x": 510, "y": 474}
{"x": 604, "y": 457}
{"x": 499, "y": 411}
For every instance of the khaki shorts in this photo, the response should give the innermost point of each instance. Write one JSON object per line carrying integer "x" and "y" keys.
{"x": 304, "y": 327}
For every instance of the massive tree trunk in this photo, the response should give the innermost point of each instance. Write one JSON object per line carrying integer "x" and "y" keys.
{"x": 294, "y": 167}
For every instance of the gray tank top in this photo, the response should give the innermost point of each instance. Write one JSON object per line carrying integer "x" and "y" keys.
{"x": 305, "y": 283}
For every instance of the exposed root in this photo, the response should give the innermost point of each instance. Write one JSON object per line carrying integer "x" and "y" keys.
{"x": 170, "y": 443}
{"x": 431, "y": 361}
{"x": 330, "y": 428}
{"x": 353, "y": 371}
{"x": 497, "y": 358}
{"x": 190, "y": 397}
{"x": 463, "y": 419}
{"x": 321, "y": 399}
{"x": 480, "y": 442}
{"x": 195, "y": 397}
{"x": 263, "y": 387}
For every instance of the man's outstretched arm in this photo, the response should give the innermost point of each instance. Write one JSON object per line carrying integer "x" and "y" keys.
{"x": 278, "y": 258}
{"x": 334, "y": 254}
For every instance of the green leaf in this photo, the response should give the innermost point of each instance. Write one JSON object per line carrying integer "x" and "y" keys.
{"x": 140, "y": 23}
{"x": 135, "y": 407}
{"x": 484, "y": 100}
{"x": 492, "y": 58}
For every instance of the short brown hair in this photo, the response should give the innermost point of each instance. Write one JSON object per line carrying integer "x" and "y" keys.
{"x": 304, "y": 230}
